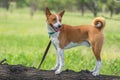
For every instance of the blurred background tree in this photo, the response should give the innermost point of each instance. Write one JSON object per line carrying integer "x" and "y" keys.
{"x": 4, "y": 4}
{"x": 83, "y": 6}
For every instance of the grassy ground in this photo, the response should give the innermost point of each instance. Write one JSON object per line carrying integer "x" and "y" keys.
{"x": 23, "y": 40}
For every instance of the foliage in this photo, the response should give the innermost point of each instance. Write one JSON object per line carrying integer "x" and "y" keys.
{"x": 94, "y": 6}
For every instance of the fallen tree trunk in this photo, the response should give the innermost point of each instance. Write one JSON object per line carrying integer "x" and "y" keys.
{"x": 19, "y": 72}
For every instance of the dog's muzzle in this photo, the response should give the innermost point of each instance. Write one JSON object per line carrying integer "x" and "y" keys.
{"x": 59, "y": 26}
{"x": 56, "y": 27}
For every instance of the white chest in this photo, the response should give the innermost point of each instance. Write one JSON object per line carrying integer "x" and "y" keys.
{"x": 54, "y": 38}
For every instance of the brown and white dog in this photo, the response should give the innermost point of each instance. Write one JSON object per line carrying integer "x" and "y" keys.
{"x": 65, "y": 36}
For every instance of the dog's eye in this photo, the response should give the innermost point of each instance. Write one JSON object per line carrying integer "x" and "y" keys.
{"x": 60, "y": 20}
{"x": 54, "y": 19}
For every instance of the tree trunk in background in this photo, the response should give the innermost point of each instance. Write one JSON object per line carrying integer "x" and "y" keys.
{"x": 103, "y": 9}
{"x": 82, "y": 9}
{"x": 33, "y": 8}
{"x": 95, "y": 5}
{"x": 81, "y": 6}
{"x": 12, "y": 6}
{"x": 92, "y": 7}
{"x": 111, "y": 10}
{"x": 6, "y": 4}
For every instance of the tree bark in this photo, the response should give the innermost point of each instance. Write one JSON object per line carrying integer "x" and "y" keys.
{"x": 19, "y": 72}
{"x": 33, "y": 7}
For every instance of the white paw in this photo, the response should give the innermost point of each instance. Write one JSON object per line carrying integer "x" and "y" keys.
{"x": 58, "y": 71}
{"x": 95, "y": 73}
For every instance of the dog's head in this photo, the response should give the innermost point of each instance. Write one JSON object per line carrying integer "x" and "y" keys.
{"x": 54, "y": 20}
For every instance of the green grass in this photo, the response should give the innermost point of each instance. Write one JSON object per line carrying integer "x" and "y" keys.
{"x": 23, "y": 40}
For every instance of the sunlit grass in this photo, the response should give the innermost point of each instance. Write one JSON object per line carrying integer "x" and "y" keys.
{"x": 23, "y": 40}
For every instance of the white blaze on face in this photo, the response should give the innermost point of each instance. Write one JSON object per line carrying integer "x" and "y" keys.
{"x": 58, "y": 23}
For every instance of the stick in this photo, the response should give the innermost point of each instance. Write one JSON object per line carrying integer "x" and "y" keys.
{"x": 45, "y": 53}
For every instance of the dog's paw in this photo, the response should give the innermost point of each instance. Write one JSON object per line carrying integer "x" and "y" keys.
{"x": 58, "y": 71}
{"x": 95, "y": 73}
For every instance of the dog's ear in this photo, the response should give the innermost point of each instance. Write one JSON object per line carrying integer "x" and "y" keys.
{"x": 61, "y": 13}
{"x": 47, "y": 12}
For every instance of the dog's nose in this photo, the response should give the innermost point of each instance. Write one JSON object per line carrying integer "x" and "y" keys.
{"x": 59, "y": 26}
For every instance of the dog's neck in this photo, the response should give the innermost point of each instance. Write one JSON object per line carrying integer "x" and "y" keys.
{"x": 50, "y": 30}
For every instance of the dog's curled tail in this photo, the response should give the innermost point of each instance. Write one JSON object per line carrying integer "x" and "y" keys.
{"x": 99, "y": 23}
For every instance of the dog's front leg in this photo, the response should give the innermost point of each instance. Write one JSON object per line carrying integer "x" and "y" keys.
{"x": 61, "y": 60}
{"x": 57, "y": 60}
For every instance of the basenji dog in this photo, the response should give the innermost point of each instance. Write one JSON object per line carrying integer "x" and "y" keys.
{"x": 65, "y": 36}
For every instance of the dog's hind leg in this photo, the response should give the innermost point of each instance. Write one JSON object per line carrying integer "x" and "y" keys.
{"x": 96, "y": 50}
